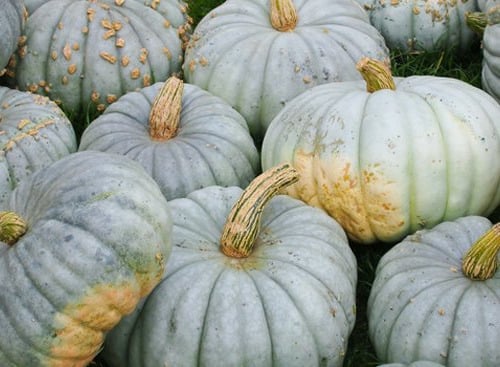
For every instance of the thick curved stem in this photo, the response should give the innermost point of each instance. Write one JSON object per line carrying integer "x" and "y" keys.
{"x": 12, "y": 227}
{"x": 165, "y": 112}
{"x": 243, "y": 223}
{"x": 480, "y": 262}
{"x": 283, "y": 15}
{"x": 377, "y": 74}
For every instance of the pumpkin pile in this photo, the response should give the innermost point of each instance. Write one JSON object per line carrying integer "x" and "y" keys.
{"x": 190, "y": 185}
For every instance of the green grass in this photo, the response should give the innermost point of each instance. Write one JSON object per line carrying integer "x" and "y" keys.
{"x": 464, "y": 67}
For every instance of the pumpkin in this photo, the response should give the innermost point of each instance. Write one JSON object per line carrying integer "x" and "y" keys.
{"x": 436, "y": 295}
{"x": 257, "y": 55}
{"x": 11, "y": 24}
{"x": 423, "y": 25}
{"x": 34, "y": 133}
{"x": 487, "y": 24}
{"x": 254, "y": 279}
{"x": 183, "y": 136}
{"x": 174, "y": 11}
{"x": 87, "y": 238}
{"x": 413, "y": 364}
{"x": 389, "y": 156}
{"x": 84, "y": 54}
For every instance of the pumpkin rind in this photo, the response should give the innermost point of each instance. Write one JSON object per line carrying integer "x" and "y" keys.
{"x": 11, "y": 24}
{"x": 97, "y": 241}
{"x": 236, "y": 54}
{"x": 291, "y": 302}
{"x": 212, "y": 145}
{"x": 422, "y": 306}
{"x": 34, "y": 132}
{"x": 422, "y": 25}
{"x": 388, "y": 163}
{"x": 490, "y": 74}
{"x": 413, "y": 364}
{"x": 84, "y": 54}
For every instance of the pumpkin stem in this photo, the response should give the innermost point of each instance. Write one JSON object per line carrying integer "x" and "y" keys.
{"x": 477, "y": 22}
{"x": 12, "y": 227}
{"x": 166, "y": 110}
{"x": 480, "y": 262}
{"x": 376, "y": 73}
{"x": 283, "y": 15}
{"x": 243, "y": 222}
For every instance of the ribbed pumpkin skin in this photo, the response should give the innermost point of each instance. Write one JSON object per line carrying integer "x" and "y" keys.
{"x": 236, "y": 54}
{"x": 98, "y": 238}
{"x": 387, "y": 163}
{"x": 490, "y": 75}
{"x": 34, "y": 132}
{"x": 212, "y": 145}
{"x": 84, "y": 54}
{"x": 290, "y": 303}
{"x": 423, "y": 25}
{"x": 422, "y": 306}
{"x": 11, "y": 25}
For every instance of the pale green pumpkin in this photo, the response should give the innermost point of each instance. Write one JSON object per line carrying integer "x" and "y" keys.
{"x": 85, "y": 54}
{"x": 257, "y": 55}
{"x": 34, "y": 132}
{"x": 87, "y": 237}
{"x": 436, "y": 295}
{"x": 255, "y": 279}
{"x": 183, "y": 136}
{"x": 387, "y": 157}
{"x": 423, "y": 25}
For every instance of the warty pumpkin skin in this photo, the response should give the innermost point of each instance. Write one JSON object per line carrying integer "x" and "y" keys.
{"x": 423, "y": 25}
{"x": 183, "y": 136}
{"x": 289, "y": 302}
{"x": 427, "y": 302}
{"x": 387, "y": 162}
{"x": 257, "y": 64}
{"x": 34, "y": 132}
{"x": 97, "y": 240}
{"x": 85, "y": 54}
{"x": 12, "y": 17}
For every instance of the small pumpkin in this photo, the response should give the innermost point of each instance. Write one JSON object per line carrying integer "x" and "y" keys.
{"x": 436, "y": 295}
{"x": 257, "y": 55}
{"x": 34, "y": 132}
{"x": 81, "y": 242}
{"x": 183, "y": 136}
{"x": 487, "y": 24}
{"x": 389, "y": 156}
{"x": 254, "y": 279}
{"x": 12, "y": 17}
{"x": 85, "y": 54}
{"x": 423, "y": 25}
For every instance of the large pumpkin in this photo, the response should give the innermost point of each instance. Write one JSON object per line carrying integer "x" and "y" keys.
{"x": 254, "y": 279}
{"x": 84, "y": 54}
{"x": 390, "y": 156}
{"x": 96, "y": 239}
{"x": 423, "y": 25}
{"x": 257, "y": 55}
{"x": 436, "y": 296}
{"x": 183, "y": 136}
{"x": 34, "y": 132}
{"x": 12, "y": 16}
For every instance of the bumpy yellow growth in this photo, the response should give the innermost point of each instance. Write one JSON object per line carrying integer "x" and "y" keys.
{"x": 165, "y": 113}
{"x": 243, "y": 223}
{"x": 80, "y": 328}
{"x": 480, "y": 262}
{"x": 376, "y": 73}
{"x": 283, "y": 15}
{"x": 12, "y": 227}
